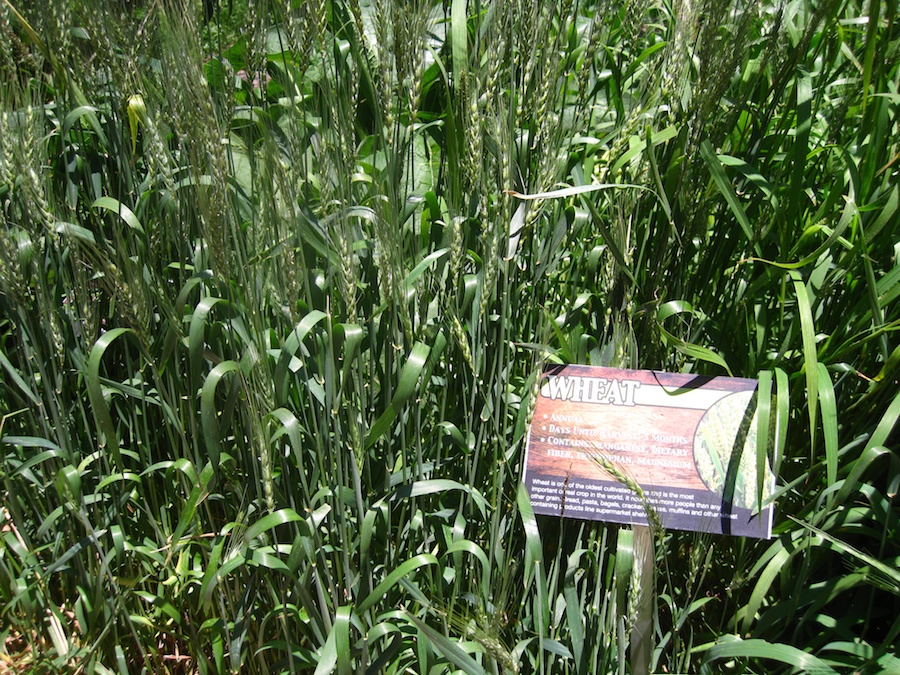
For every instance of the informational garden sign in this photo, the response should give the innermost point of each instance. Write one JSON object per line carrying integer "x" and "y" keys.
{"x": 688, "y": 441}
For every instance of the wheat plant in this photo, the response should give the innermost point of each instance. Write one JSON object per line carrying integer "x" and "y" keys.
{"x": 278, "y": 280}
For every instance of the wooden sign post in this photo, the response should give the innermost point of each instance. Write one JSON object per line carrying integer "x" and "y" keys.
{"x": 614, "y": 445}
{"x": 642, "y": 631}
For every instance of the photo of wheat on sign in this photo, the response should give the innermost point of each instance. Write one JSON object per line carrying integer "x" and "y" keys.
{"x": 606, "y": 444}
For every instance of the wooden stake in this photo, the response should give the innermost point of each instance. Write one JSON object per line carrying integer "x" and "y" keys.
{"x": 642, "y": 631}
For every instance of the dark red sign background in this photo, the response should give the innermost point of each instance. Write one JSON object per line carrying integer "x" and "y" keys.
{"x": 652, "y": 445}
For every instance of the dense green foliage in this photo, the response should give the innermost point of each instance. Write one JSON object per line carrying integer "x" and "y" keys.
{"x": 273, "y": 311}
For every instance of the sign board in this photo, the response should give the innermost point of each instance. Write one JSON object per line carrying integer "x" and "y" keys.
{"x": 688, "y": 441}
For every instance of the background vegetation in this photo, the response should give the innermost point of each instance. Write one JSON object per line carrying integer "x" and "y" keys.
{"x": 273, "y": 310}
